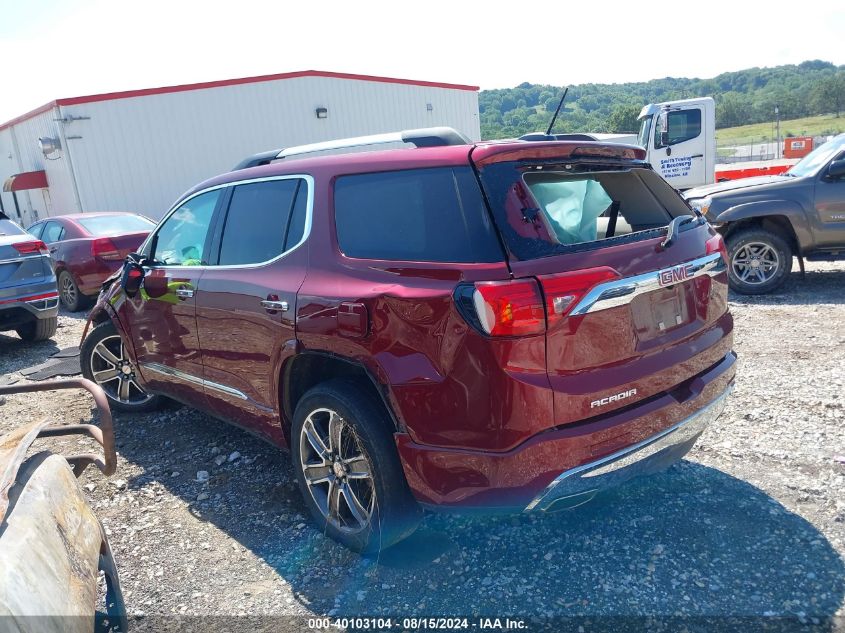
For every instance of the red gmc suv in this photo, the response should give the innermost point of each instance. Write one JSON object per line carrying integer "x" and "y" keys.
{"x": 498, "y": 326}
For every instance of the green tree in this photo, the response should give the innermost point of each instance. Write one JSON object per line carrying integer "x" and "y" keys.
{"x": 828, "y": 94}
{"x": 623, "y": 118}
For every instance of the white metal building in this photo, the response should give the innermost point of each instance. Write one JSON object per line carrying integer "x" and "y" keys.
{"x": 139, "y": 150}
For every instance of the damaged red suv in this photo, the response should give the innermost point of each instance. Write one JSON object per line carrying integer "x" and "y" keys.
{"x": 498, "y": 326}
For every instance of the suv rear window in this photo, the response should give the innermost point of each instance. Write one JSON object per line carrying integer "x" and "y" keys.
{"x": 544, "y": 210}
{"x": 7, "y": 227}
{"x": 423, "y": 215}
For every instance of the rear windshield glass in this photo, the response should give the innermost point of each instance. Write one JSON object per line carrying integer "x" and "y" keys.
{"x": 7, "y": 227}
{"x": 547, "y": 210}
{"x": 111, "y": 225}
{"x": 423, "y": 215}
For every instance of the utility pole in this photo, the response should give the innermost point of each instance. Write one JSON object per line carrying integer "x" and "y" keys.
{"x": 777, "y": 122}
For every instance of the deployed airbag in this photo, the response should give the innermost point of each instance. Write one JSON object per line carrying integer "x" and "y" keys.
{"x": 572, "y": 207}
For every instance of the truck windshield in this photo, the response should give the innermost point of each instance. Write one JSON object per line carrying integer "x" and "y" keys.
{"x": 645, "y": 130}
{"x": 818, "y": 158}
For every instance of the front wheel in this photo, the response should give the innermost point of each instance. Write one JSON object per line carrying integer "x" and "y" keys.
{"x": 348, "y": 468}
{"x": 760, "y": 261}
{"x": 104, "y": 361}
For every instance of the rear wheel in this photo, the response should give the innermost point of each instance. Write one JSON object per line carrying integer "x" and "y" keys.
{"x": 104, "y": 361}
{"x": 38, "y": 330}
{"x": 348, "y": 468}
{"x": 70, "y": 295}
{"x": 760, "y": 261}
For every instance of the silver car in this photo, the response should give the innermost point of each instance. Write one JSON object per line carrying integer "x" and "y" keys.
{"x": 29, "y": 298}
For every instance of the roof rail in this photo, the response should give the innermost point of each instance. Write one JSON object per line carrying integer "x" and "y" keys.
{"x": 421, "y": 137}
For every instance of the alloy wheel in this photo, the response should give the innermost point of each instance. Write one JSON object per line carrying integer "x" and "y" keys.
{"x": 755, "y": 263}
{"x": 337, "y": 471}
{"x": 68, "y": 290}
{"x": 115, "y": 373}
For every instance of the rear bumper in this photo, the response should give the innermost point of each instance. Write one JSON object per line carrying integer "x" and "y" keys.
{"x": 573, "y": 461}
{"x": 90, "y": 279}
{"x": 653, "y": 454}
{"x": 38, "y": 303}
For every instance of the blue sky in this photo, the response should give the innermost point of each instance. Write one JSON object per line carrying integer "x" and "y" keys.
{"x": 51, "y": 49}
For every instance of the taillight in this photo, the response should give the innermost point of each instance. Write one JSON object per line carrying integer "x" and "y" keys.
{"x": 509, "y": 308}
{"x": 30, "y": 248}
{"x": 716, "y": 245}
{"x": 104, "y": 248}
{"x": 563, "y": 291}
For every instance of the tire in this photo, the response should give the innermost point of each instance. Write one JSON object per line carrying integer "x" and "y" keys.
{"x": 760, "y": 261}
{"x": 70, "y": 295}
{"x": 385, "y": 503}
{"x": 103, "y": 359}
{"x": 38, "y": 330}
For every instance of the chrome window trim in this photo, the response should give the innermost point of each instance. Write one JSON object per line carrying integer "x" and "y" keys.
{"x": 617, "y": 292}
{"x": 306, "y": 233}
{"x": 196, "y": 380}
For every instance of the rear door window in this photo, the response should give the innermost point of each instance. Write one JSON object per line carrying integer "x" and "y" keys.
{"x": 258, "y": 225}
{"x": 424, "y": 215}
{"x": 53, "y": 232}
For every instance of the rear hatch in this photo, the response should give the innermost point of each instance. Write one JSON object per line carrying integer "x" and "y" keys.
{"x": 23, "y": 261}
{"x": 632, "y": 284}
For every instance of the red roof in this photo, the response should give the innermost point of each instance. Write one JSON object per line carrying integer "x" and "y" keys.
{"x": 110, "y": 96}
{"x": 26, "y": 180}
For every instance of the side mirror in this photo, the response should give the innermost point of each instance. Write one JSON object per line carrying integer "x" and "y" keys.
{"x": 663, "y": 127}
{"x": 836, "y": 169}
{"x": 133, "y": 277}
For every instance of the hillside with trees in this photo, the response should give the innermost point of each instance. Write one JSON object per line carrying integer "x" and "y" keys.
{"x": 742, "y": 97}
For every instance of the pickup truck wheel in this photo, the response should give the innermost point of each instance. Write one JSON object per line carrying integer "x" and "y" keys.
{"x": 760, "y": 261}
{"x": 104, "y": 361}
{"x": 348, "y": 468}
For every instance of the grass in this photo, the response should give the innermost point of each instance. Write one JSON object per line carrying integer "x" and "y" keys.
{"x": 758, "y": 132}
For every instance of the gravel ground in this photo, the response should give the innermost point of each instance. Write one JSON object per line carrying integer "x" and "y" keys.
{"x": 751, "y": 524}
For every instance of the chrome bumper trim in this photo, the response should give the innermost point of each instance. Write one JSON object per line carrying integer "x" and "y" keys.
{"x": 622, "y": 291}
{"x": 631, "y": 461}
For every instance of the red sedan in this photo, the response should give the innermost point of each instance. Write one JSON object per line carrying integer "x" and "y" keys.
{"x": 87, "y": 248}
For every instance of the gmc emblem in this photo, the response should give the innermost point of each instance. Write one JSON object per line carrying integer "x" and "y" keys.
{"x": 674, "y": 275}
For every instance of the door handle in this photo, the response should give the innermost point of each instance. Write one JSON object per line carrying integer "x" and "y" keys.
{"x": 697, "y": 156}
{"x": 184, "y": 293}
{"x": 275, "y": 305}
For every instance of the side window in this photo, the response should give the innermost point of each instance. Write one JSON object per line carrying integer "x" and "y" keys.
{"x": 53, "y": 232}
{"x": 181, "y": 238}
{"x": 425, "y": 215}
{"x": 683, "y": 126}
{"x": 257, "y": 222}
{"x": 35, "y": 230}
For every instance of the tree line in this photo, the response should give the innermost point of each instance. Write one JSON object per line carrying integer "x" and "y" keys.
{"x": 742, "y": 97}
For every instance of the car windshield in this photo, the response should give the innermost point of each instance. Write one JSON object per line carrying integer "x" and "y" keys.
{"x": 818, "y": 158}
{"x": 111, "y": 225}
